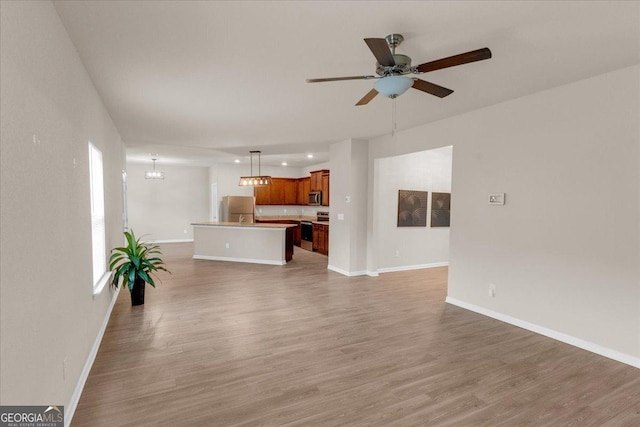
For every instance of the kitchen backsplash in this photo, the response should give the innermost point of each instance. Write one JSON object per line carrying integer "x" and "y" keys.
{"x": 271, "y": 211}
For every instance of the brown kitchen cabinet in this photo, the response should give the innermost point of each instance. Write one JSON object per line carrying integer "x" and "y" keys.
{"x": 316, "y": 181}
{"x": 291, "y": 191}
{"x": 282, "y": 191}
{"x": 325, "y": 188}
{"x": 297, "y": 231}
{"x": 303, "y": 187}
{"x": 321, "y": 238}
{"x": 320, "y": 182}
{"x": 262, "y": 195}
{"x": 277, "y": 191}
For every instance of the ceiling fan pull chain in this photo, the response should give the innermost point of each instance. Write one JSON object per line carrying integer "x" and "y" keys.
{"x": 393, "y": 117}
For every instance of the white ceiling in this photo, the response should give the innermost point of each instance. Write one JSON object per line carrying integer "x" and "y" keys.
{"x": 207, "y": 81}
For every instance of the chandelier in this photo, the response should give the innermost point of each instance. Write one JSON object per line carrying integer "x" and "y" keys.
{"x": 154, "y": 174}
{"x": 255, "y": 180}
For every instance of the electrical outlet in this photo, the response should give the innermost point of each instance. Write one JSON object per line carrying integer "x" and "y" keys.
{"x": 492, "y": 290}
{"x": 397, "y": 254}
{"x": 226, "y": 245}
{"x": 185, "y": 231}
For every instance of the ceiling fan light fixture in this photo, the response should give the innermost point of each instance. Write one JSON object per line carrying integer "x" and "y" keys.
{"x": 393, "y": 86}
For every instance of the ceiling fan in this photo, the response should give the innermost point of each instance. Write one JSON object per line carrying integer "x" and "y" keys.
{"x": 392, "y": 68}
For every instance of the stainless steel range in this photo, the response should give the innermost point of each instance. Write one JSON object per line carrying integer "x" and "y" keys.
{"x": 306, "y": 230}
{"x": 306, "y": 235}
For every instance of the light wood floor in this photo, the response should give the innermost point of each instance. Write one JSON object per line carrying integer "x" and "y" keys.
{"x": 221, "y": 344}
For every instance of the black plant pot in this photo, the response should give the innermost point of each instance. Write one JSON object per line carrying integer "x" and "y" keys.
{"x": 137, "y": 293}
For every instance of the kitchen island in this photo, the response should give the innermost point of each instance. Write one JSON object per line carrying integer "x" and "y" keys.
{"x": 259, "y": 243}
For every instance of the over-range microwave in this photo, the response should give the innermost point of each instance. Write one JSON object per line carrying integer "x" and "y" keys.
{"x": 315, "y": 198}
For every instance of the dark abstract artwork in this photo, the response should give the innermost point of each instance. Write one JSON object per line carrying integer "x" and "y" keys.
{"x": 412, "y": 208}
{"x": 440, "y": 209}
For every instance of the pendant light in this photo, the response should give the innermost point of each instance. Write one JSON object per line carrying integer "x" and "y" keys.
{"x": 255, "y": 180}
{"x": 154, "y": 174}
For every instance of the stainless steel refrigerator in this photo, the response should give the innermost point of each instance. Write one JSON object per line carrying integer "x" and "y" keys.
{"x": 238, "y": 209}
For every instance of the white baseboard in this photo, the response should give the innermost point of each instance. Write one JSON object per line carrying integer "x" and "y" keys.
{"x": 171, "y": 241}
{"x": 345, "y": 272}
{"x": 70, "y": 409}
{"x": 559, "y": 336}
{"x": 413, "y": 267}
{"x": 249, "y": 260}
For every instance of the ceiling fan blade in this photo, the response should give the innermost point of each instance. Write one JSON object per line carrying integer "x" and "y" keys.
{"x": 431, "y": 88}
{"x": 335, "y": 79}
{"x": 452, "y": 61}
{"x": 368, "y": 97}
{"x": 380, "y": 49}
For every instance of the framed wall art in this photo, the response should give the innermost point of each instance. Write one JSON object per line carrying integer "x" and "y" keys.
{"x": 440, "y": 209}
{"x": 412, "y": 208}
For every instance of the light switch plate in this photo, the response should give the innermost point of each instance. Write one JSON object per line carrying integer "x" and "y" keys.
{"x": 496, "y": 199}
{"x": 340, "y": 217}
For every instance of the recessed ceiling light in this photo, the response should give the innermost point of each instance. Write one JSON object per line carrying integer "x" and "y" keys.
{"x": 236, "y": 161}
{"x": 284, "y": 163}
{"x": 309, "y": 156}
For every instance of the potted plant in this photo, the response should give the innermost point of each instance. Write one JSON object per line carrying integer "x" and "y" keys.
{"x": 135, "y": 263}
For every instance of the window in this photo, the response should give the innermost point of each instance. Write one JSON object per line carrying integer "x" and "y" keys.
{"x": 98, "y": 239}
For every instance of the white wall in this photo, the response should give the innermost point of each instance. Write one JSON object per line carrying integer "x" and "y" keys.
{"x": 49, "y": 111}
{"x": 163, "y": 209}
{"x": 564, "y": 251}
{"x": 347, "y": 232}
{"x": 307, "y": 170}
{"x": 401, "y": 248}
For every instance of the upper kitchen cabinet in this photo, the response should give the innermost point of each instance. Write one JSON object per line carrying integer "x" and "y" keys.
{"x": 277, "y": 191}
{"x": 291, "y": 191}
{"x": 316, "y": 180}
{"x": 303, "y": 186}
{"x": 262, "y": 195}
{"x": 325, "y": 188}
{"x": 282, "y": 191}
{"x": 320, "y": 182}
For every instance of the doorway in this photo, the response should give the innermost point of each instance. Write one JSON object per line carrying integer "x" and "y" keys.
{"x": 411, "y": 247}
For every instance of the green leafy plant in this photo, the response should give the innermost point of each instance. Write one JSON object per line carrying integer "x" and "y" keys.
{"x": 136, "y": 260}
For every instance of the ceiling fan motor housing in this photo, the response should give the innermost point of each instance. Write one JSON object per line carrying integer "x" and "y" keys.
{"x": 403, "y": 66}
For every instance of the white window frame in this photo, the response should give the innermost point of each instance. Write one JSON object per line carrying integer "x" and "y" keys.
{"x": 98, "y": 221}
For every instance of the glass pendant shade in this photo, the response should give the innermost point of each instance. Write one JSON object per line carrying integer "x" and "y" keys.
{"x": 393, "y": 86}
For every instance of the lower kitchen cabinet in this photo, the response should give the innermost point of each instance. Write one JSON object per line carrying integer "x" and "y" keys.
{"x": 321, "y": 238}
{"x": 297, "y": 234}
